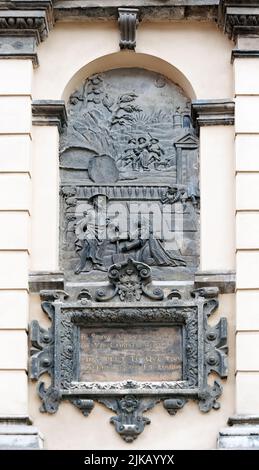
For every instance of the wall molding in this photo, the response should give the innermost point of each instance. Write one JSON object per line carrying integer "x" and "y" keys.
{"x": 34, "y": 19}
{"x": 244, "y": 54}
{"x": 49, "y": 113}
{"x": 151, "y": 10}
{"x": 17, "y": 433}
{"x": 45, "y": 280}
{"x": 225, "y": 281}
{"x": 213, "y": 113}
{"x": 22, "y": 27}
{"x": 242, "y": 433}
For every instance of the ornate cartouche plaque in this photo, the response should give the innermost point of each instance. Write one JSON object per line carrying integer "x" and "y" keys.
{"x": 130, "y": 330}
{"x": 129, "y": 357}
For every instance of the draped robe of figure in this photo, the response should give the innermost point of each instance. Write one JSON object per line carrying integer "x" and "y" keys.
{"x": 150, "y": 250}
{"x": 89, "y": 239}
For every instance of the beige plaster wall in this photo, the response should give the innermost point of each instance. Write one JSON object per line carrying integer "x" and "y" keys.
{"x": 195, "y": 51}
{"x": 45, "y": 201}
{"x": 189, "y": 429}
{"x": 15, "y": 207}
{"x": 217, "y": 183}
{"x": 247, "y": 231}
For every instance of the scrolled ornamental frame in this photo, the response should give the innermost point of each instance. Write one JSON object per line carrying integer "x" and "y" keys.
{"x": 56, "y": 351}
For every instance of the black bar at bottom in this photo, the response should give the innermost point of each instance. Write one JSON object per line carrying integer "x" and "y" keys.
{"x": 128, "y": 459}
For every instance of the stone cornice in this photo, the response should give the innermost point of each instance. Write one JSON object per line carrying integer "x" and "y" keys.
{"x": 234, "y": 17}
{"x": 239, "y": 17}
{"x": 49, "y": 113}
{"x": 154, "y": 10}
{"x": 26, "y": 18}
{"x": 23, "y": 19}
{"x": 213, "y": 112}
{"x": 23, "y": 25}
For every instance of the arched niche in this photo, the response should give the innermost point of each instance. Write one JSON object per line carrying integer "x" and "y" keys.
{"x": 129, "y": 153}
{"x": 129, "y": 60}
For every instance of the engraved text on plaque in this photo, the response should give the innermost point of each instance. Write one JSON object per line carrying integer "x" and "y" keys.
{"x": 139, "y": 353}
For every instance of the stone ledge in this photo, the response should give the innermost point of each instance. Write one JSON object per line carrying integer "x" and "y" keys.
{"x": 17, "y": 433}
{"x": 213, "y": 113}
{"x": 243, "y": 419}
{"x": 154, "y": 10}
{"x": 225, "y": 281}
{"x": 45, "y": 280}
{"x": 49, "y": 113}
{"x": 242, "y": 433}
{"x": 244, "y": 54}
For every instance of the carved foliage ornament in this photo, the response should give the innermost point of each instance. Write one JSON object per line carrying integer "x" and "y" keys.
{"x": 197, "y": 348}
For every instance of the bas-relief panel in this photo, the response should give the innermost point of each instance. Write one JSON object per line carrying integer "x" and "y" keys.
{"x": 129, "y": 177}
{"x": 129, "y": 218}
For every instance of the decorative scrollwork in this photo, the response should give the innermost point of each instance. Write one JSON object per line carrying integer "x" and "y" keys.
{"x": 172, "y": 405}
{"x": 50, "y": 398}
{"x": 84, "y": 295}
{"x": 57, "y": 351}
{"x": 129, "y": 422}
{"x": 130, "y": 280}
{"x": 128, "y": 22}
{"x": 42, "y": 351}
{"x": 216, "y": 348}
{"x": 192, "y": 348}
{"x": 174, "y": 295}
{"x": 85, "y": 406}
{"x": 66, "y": 350}
{"x": 208, "y": 397}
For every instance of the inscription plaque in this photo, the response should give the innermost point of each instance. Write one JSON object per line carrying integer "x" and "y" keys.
{"x": 138, "y": 353}
{"x": 129, "y": 357}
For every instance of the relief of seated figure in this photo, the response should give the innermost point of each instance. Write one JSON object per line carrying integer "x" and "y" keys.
{"x": 150, "y": 250}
